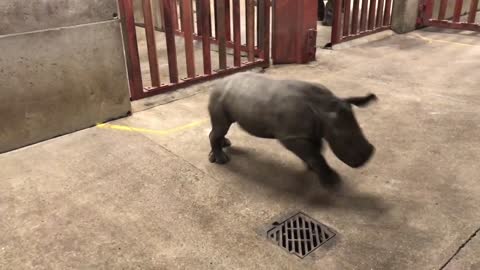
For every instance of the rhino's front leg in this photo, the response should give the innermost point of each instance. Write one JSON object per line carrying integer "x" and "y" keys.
{"x": 309, "y": 152}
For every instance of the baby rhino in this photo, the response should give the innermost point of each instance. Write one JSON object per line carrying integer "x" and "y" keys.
{"x": 298, "y": 114}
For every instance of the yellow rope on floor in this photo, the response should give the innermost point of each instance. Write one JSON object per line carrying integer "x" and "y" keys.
{"x": 152, "y": 131}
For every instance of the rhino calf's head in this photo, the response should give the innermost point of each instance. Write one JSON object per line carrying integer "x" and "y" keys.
{"x": 344, "y": 134}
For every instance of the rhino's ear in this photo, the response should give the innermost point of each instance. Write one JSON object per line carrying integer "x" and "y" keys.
{"x": 361, "y": 101}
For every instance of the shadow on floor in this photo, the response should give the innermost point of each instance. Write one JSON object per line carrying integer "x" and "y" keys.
{"x": 301, "y": 184}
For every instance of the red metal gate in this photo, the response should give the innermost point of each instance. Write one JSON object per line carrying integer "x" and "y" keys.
{"x": 226, "y": 14}
{"x": 356, "y": 18}
{"x": 294, "y": 31}
{"x": 453, "y": 20}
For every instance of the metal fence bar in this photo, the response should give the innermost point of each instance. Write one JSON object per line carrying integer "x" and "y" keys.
{"x": 198, "y": 13}
{"x": 135, "y": 73}
{"x": 221, "y": 34}
{"x": 429, "y": 9}
{"x": 228, "y": 26}
{"x": 246, "y": 20}
{"x": 187, "y": 27}
{"x": 236, "y": 33}
{"x": 346, "y": 18}
{"x": 215, "y": 12}
{"x": 151, "y": 42}
{"x": 443, "y": 9}
{"x": 266, "y": 34}
{"x": 458, "y": 10}
{"x": 169, "y": 6}
{"x": 364, "y": 16}
{"x": 388, "y": 13}
{"x": 174, "y": 15}
{"x": 355, "y": 13}
{"x": 473, "y": 11}
{"x": 261, "y": 5}
{"x": 337, "y": 23}
{"x": 250, "y": 29}
{"x": 380, "y": 12}
{"x": 371, "y": 17}
{"x": 207, "y": 62}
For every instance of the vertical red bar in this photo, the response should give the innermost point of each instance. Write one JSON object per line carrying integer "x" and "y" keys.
{"x": 250, "y": 17}
{"x": 169, "y": 6}
{"x": 266, "y": 34}
{"x": 135, "y": 73}
{"x": 473, "y": 11}
{"x": 443, "y": 9}
{"x": 198, "y": 12}
{"x": 260, "y": 23}
{"x": 206, "y": 30}
{"x": 174, "y": 16}
{"x": 388, "y": 13}
{"x": 346, "y": 18}
{"x": 261, "y": 6}
{"x": 250, "y": 30}
{"x": 215, "y": 12}
{"x": 236, "y": 33}
{"x": 380, "y": 12}
{"x": 180, "y": 7}
{"x": 458, "y": 10}
{"x": 428, "y": 10}
{"x": 192, "y": 16}
{"x": 228, "y": 30}
{"x": 187, "y": 28}
{"x": 151, "y": 42}
{"x": 356, "y": 7}
{"x": 364, "y": 16}
{"x": 371, "y": 16}
{"x": 337, "y": 22}
{"x": 221, "y": 35}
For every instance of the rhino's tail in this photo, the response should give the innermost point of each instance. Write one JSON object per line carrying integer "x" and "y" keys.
{"x": 361, "y": 101}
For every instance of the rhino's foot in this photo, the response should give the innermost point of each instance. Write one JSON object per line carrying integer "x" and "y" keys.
{"x": 219, "y": 158}
{"x": 226, "y": 143}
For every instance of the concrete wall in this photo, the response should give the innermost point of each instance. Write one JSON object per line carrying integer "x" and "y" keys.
{"x": 404, "y": 15}
{"x": 62, "y": 68}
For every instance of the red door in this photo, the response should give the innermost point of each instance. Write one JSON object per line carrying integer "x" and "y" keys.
{"x": 294, "y": 31}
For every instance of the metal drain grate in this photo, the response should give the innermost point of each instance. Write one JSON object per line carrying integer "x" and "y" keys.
{"x": 300, "y": 235}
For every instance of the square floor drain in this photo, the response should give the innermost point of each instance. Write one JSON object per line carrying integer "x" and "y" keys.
{"x": 300, "y": 235}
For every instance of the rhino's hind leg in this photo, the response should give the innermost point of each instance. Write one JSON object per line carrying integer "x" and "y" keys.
{"x": 217, "y": 142}
{"x": 309, "y": 152}
{"x": 220, "y": 126}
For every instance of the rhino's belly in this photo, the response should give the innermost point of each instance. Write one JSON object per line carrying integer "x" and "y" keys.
{"x": 257, "y": 129}
{"x": 259, "y": 123}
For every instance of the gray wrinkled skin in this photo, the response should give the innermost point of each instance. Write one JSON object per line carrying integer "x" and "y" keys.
{"x": 298, "y": 114}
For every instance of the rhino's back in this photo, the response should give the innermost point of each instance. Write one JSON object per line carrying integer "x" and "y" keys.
{"x": 266, "y": 107}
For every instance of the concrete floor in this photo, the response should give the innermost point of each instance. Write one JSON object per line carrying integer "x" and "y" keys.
{"x": 118, "y": 198}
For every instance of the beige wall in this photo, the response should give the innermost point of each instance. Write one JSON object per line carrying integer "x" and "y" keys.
{"x": 62, "y": 68}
